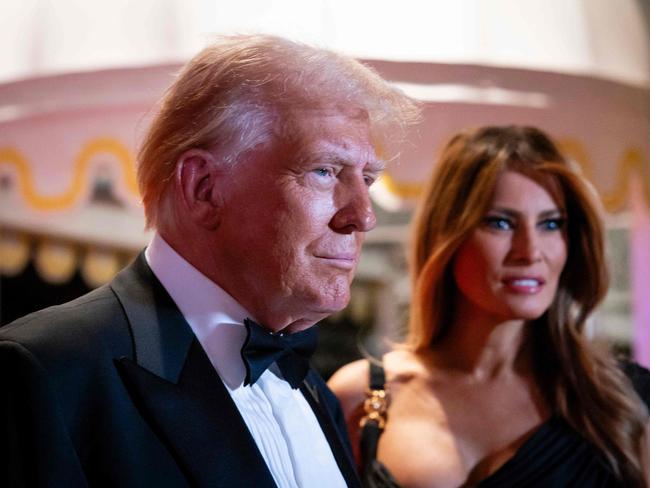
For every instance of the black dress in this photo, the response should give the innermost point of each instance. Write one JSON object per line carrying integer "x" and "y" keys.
{"x": 553, "y": 456}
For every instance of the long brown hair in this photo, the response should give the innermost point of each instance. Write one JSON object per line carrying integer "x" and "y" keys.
{"x": 582, "y": 383}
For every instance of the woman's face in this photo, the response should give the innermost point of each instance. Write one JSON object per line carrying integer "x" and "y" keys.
{"x": 510, "y": 265}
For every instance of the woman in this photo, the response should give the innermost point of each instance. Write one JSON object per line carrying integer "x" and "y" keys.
{"x": 497, "y": 383}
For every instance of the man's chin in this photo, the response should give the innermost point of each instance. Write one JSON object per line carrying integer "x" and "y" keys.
{"x": 325, "y": 308}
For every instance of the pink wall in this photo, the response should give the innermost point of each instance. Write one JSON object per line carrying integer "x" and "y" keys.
{"x": 640, "y": 274}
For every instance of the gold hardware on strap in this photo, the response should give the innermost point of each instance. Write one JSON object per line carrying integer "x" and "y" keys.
{"x": 375, "y": 406}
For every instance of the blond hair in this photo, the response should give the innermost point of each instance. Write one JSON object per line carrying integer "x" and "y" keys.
{"x": 582, "y": 383}
{"x": 240, "y": 93}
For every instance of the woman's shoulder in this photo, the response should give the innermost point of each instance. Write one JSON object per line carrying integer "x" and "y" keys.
{"x": 349, "y": 383}
{"x": 403, "y": 363}
{"x": 353, "y": 375}
{"x": 352, "y": 379}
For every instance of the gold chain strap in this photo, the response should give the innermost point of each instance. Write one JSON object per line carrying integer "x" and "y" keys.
{"x": 375, "y": 407}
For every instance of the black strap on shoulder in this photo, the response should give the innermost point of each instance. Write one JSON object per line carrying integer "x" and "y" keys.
{"x": 377, "y": 378}
{"x": 372, "y": 423}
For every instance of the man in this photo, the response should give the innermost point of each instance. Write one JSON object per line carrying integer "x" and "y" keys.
{"x": 189, "y": 367}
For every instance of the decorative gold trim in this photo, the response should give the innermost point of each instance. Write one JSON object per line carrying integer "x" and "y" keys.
{"x": 12, "y": 157}
{"x": 632, "y": 162}
{"x": 402, "y": 190}
{"x": 575, "y": 150}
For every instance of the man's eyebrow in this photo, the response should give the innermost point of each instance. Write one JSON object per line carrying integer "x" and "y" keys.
{"x": 341, "y": 159}
{"x": 320, "y": 157}
{"x": 376, "y": 165}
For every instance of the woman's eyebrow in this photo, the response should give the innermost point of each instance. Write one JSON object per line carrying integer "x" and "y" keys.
{"x": 511, "y": 212}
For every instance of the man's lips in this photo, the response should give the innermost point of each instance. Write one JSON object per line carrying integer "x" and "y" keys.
{"x": 346, "y": 261}
{"x": 524, "y": 284}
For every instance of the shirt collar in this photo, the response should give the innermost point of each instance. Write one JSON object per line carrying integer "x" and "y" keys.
{"x": 214, "y": 316}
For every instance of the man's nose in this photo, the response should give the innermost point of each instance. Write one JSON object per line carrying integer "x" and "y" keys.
{"x": 355, "y": 212}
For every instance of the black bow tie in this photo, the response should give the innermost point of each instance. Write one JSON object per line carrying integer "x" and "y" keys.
{"x": 290, "y": 352}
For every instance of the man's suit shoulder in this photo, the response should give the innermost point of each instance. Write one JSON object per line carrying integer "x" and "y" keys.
{"x": 74, "y": 332}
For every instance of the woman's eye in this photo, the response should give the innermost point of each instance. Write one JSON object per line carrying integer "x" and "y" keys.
{"x": 552, "y": 224}
{"x": 498, "y": 223}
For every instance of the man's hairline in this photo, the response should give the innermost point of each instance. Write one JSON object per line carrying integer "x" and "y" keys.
{"x": 290, "y": 117}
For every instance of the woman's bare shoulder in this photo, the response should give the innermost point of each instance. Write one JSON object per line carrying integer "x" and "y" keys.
{"x": 350, "y": 382}
{"x": 401, "y": 365}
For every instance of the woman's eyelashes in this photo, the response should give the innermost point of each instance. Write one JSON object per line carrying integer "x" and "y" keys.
{"x": 554, "y": 223}
{"x": 498, "y": 222}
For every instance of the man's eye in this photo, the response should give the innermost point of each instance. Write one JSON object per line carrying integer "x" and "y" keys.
{"x": 369, "y": 180}
{"x": 498, "y": 223}
{"x": 552, "y": 224}
{"x": 325, "y": 172}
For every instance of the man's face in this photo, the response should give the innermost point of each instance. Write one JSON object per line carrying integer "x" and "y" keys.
{"x": 293, "y": 222}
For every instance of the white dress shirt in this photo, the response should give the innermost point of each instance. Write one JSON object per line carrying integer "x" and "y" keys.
{"x": 278, "y": 417}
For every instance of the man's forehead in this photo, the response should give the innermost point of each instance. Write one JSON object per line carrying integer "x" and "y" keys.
{"x": 352, "y": 112}
{"x": 332, "y": 125}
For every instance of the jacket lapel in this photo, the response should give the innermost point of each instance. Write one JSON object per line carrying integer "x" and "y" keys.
{"x": 178, "y": 392}
{"x": 315, "y": 397}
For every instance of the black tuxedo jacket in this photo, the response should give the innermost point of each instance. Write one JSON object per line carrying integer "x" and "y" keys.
{"x": 113, "y": 389}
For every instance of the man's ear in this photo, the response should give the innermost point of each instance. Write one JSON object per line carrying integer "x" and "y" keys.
{"x": 197, "y": 172}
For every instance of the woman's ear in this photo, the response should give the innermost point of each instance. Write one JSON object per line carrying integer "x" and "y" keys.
{"x": 197, "y": 172}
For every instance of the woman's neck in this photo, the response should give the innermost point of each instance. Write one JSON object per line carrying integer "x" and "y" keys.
{"x": 483, "y": 346}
